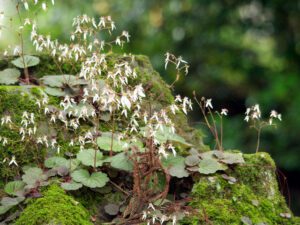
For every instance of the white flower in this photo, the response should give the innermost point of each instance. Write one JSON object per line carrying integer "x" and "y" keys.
{"x": 46, "y": 110}
{"x": 125, "y": 102}
{"x": 224, "y": 112}
{"x": 279, "y": 117}
{"x": 53, "y": 118}
{"x": 4, "y": 142}
{"x": 208, "y": 103}
{"x": 174, "y": 220}
{"x": 26, "y": 5}
{"x": 167, "y": 59}
{"x": 27, "y": 21}
{"x": 144, "y": 215}
{"x": 44, "y": 6}
{"x": 13, "y": 161}
{"x": 178, "y": 98}
{"x": 151, "y": 206}
{"x": 248, "y": 110}
{"x": 173, "y": 108}
{"x": 173, "y": 149}
{"x": 179, "y": 61}
{"x": 247, "y": 118}
{"x": 118, "y": 41}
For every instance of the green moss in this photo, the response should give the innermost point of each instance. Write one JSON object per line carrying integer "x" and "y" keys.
{"x": 255, "y": 195}
{"x": 55, "y": 207}
{"x": 13, "y": 101}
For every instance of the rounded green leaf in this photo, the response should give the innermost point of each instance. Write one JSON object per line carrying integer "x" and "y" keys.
{"x": 26, "y": 61}
{"x": 9, "y": 76}
{"x": 59, "y": 81}
{"x": 175, "y": 166}
{"x": 165, "y": 134}
{"x": 7, "y": 201}
{"x": 94, "y": 180}
{"x": 178, "y": 171}
{"x": 32, "y": 175}
{"x": 210, "y": 166}
{"x": 230, "y": 157}
{"x": 55, "y": 161}
{"x": 4, "y": 209}
{"x": 121, "y": 162}
{"x": 192, "y": 160}
{"x": 15, "y": 188}
{"x": 112, "y": 209}
{"x": 72, "y": 186}
{"x": 108, "y": 141}
{"x": 54, "y": 91}
{"x": 89, "y": 157}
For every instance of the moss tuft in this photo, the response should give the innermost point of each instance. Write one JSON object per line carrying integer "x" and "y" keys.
{"x": 55, "y": 208}
{"x": 255, "y": 195}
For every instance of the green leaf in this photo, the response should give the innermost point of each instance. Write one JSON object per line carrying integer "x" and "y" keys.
{"x": 7, "y": 201}
{"x": 4, "y": 209}
{"x": 32, "y": 175}
{"x": 178, "y": 171}
{"x": 87, "y": 157}
{"x": 210, "y": 166}
{"x": 15, "y": 188}
{"x": 230, "y": 158}
{"x": 94, "y": 180}
{"x": 29, "y": 61}
{"x": 72, "y": 186}
{"x": 55, "y": 161}
{"x": 121, "y": 162}
{"x": 192, "y": 160}
{"x": 72, "y": 164}
{"x": 106, "y": 141}
{"x": 165, "y": 134}
{"x": 54, "y": 91}
{"x": 112, "y": 209}
{"x": 9, "y": 76}
{"x": 175, "y": 166}
{"x": 59, "y": 81}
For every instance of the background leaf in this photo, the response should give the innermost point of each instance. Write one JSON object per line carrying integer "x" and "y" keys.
{"x": 87, "y": 157}
{"x": 71, "y": 186}
{"x": 9, "y": 76}
{"x": 104, "y": 142}
{"x": 15, "y": 188}
{"x": 55, "y": 161}
{"x": 210, "y": 166}
{"x": 121, "y": 162}
{"x": 94, "y": 180}
{"x": 29, "y": 61}
{"x": 32, "y": 175}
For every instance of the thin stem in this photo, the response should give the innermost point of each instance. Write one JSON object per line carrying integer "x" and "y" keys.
{"x": 258, "y": 139}
{"x": 112, "y": 136}
{"x": 26, "y": 73}
{"x": 216, "y": 130}
{"x": 221, "y": 131}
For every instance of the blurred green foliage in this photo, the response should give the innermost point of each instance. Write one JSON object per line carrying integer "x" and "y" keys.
{"x": 241, "y": 52}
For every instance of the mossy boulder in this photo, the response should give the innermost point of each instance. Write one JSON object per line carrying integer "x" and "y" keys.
{"x": 16, "y": 99}
{"x": 55, "y": 208}
{"x": 247, "y": 194}
{"x": 253, "y": 198}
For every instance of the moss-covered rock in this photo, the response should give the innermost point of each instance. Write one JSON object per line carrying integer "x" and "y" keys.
{"x": 16, "y": 99}
{"x": 253, "y": 199}
{"x": 55, "y": 208}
